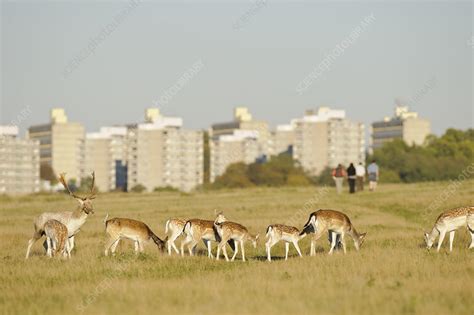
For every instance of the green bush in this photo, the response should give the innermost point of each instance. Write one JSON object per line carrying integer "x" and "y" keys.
{"x": 440, "y": 158}
{"x": 280, "y": 170}
{"x": 139, "y": 188}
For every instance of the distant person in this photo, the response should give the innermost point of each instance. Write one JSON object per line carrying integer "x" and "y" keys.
{"x": 338, "y": 175}
{"x": 351, "y": 178}
{"x": 360, "y": 173}
{"x": 373, "y": 171}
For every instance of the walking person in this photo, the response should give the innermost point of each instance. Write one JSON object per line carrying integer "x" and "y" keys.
{"x": 373, "y": 171}
{"x": 338, "y": 175}
{"x": 360, "y": 173}
{"x": 351, "y": 178}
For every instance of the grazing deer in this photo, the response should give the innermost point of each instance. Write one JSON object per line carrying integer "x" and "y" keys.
{"x": 136, "y": 231}
{"x": 73, "y": 220}
{"x": 231, "y": 231}
{"x": 196, "y": 230}
{"x": 56, "y": 238}
{"x": 335, "y": 222}
{"x": 280, "y": 232}
{"x": 450, "y": 221}
{"x": 176, "y": 227}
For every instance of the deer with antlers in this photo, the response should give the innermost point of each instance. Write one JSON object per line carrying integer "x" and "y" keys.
{"x": 73, "y": 220}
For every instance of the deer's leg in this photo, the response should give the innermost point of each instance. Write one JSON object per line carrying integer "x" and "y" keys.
{"x": 451, "y": 240}
{"x": 49, "y": 250}
{"x": 71, "y": 242}
{"x": 192, "y": 247}
{"x": 287, "y": 249}
{"x": 186, "y": 241}
{"x": 317, "y": 235}
{"x": 268, "y": 245}
{"x": 109, "y": 243}
{"x": 295, "y": 243}
{"x": 141, "y": 247}
{"x": 236, "y": 245}
{"x": 224, "y": 249}
{"x": 343, "y": 242}
{"x": 243, "y": 250}
{"x": 173, "y": 243}
{"x": 312, "y": 250}
{"x": 333, "y": 242}
{"x": 442, "y": 234}
{"x": 114, "y": 246}
{"x": 209, "y": 248}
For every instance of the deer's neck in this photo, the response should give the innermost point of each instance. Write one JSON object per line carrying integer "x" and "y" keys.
{"x": 78, "y": 213}
{"x": 433, "y": 234}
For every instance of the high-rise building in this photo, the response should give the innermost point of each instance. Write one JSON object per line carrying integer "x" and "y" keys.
{"x": 19, "y": 163}
{"x": 241, "y": 140}
{"x": 240, "y": 146}
{"x": 404, "y": 125}
{"x": 162, "y": 154}
{"x": 283, "y": 139}
{"x": 327, "y": 139}
{"x": 243, "y": 120}
{"x": 61, "y": 144}
{"x": 106, "y": 154}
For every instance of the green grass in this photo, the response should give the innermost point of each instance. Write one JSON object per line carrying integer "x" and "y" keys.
{"x": 392, "y": 274}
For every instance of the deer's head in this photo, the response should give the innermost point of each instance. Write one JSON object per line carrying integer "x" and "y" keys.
{"x": 220, "y": 218}
{"x": 85, "y": 203}
{"x": 254, "y": 240}
{"x": 429, "y": 241}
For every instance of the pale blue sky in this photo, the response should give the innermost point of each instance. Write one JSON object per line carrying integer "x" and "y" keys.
{"x": 258, "y": 65}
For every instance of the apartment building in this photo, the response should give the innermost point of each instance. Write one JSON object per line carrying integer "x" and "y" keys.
{"x": 106, "y": 154}
{"x": 163, "y": 154}
{"x": 404, "y": 125}
{"x": 283, "y": 139}
{"x": 61, "y": 144}
{"x": 19, "y": 163}
{"x": 240, "y": 146}
{"x": 327, "y": 138}
{"x": 241, "y": 140}
{"x": 243, "y": 120}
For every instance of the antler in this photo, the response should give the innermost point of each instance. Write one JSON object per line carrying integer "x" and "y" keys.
{"x": 62, "y": 179}
{"x": 92, "y": 193}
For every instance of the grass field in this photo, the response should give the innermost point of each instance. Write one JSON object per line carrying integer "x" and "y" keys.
{"x": 392, "y": 274}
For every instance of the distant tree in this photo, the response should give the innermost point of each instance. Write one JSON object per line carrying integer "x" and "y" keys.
{"x": 235, "y": 176}
{"x": 440, "y": 158}
{"x": 47, "y": 173}
{"x": 139, "y": 188}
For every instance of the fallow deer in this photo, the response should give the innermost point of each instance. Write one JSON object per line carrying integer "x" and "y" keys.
{"x": 335, "y": 222}
{"x": 73, "y": 220}
{"x": 280, "y": 232}
{"x": 196, "y": 230}
{"x": 176, "y": 227}
{"x": 56, "y": 239}
{"x": 448, "y": 222}
{"x": 136, "y": 231}
{"x": 235, "y": 232}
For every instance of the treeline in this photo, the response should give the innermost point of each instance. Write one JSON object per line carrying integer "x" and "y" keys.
{"x": 280, "y": 170}
{"x": 440, "y": 158}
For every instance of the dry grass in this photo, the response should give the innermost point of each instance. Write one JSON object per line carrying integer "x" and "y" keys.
{"x": 392, "y": 274}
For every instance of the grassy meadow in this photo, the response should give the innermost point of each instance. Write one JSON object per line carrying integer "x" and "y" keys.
{"x": 392, "y": 274}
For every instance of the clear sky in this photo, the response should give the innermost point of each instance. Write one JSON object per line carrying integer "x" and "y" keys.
{"x": 253, "y": 54}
